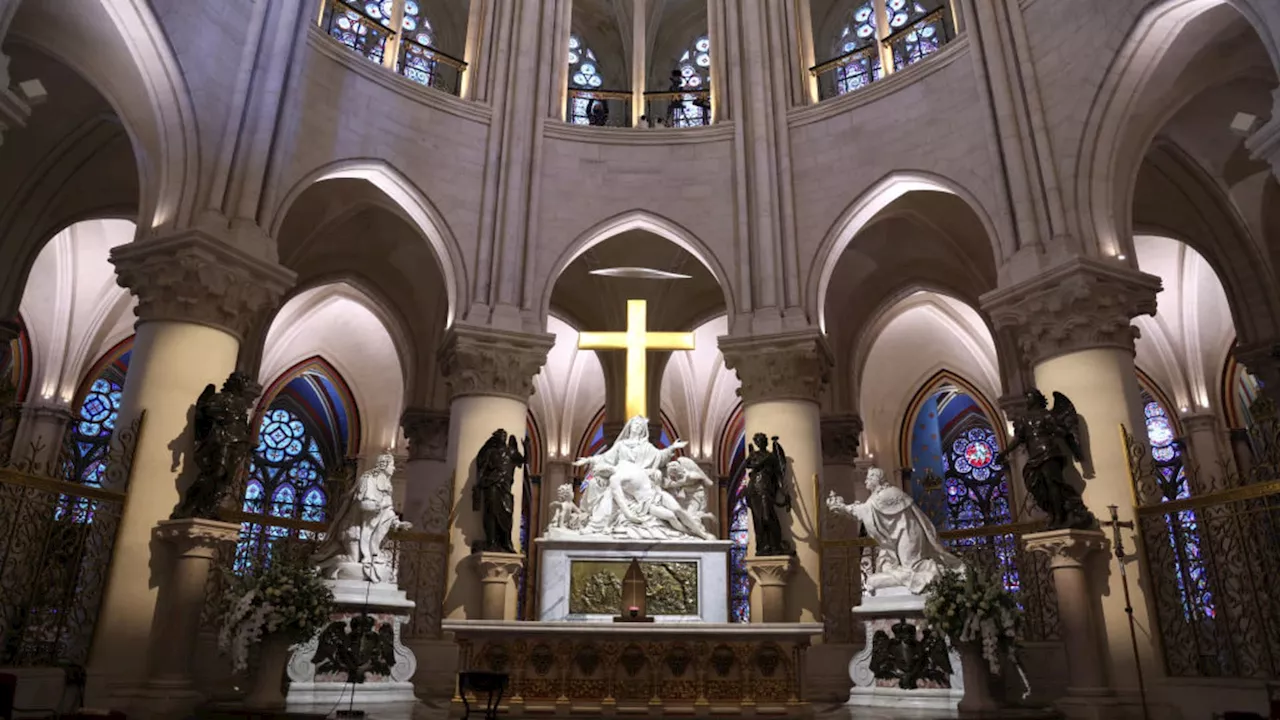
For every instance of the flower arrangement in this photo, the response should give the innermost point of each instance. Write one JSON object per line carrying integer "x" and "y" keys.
{"x": 971, "y": 606}
{"x": 285, "y": 596}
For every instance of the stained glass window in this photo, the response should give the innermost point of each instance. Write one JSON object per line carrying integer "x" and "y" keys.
{"x": 1184, "y": 527}
{"x": 287, "y": 465}
{"x": 363, "y": 27}
{"x": 584, "y": 75}
{"x": 368, "y": 27}
{"x": 88, "y": 442}
{"x": 916, "y": 31}
{"x": 858, "y": 36}
{"x": 739, "y": 535}
{"x": 693, "y": 74}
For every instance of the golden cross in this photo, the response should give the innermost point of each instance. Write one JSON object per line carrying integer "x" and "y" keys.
{"x": 637, "y": 340}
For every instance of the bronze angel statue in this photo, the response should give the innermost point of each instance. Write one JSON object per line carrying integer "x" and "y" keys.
{"x": 1052, "y": 440}
{"x": 223, "y": 444}
{"x": 766, "y": 493}
{"x": 492, "y": 496}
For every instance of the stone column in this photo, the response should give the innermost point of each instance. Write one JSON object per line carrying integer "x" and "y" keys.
{"x": 192, "y": 545}
{"x": 782, "y": 378}
{"x": 196, "y": 297}
{"x": 841, "y": 575}
{"x": 1073, "y": 324}
{"x": 496, "y": 571}
{"x": 1205, "y": 438}
{"x": 639, "y": 58}
{"x": 38, "y": 442}
{"x": 489, "y": 374}
{"x": 1068, "y": 551}
{"x": 427, "y": 494}
{"x": 769, "y": 574}
{"x": 554, "y": 474}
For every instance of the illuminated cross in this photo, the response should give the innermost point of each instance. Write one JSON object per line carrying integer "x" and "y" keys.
{"x": 637, "y": 341}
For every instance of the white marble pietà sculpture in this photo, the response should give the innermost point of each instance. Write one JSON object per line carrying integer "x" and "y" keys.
{"x": 909, "y": 554}
{"x": 631, "y": 493}
{"x": 354, "y": 549}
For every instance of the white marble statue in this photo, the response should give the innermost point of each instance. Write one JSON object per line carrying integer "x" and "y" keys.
{"x": 909, "y": 553}
{"x": 686, "y": 481}
{"x": 354, "y": 549}
{"x": 564, "y": 514}
{"x": 627, "y": 495}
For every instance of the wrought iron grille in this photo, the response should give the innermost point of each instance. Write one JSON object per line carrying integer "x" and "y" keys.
{"x": 1211, "y": 560}
{"x": 56, "y": 538}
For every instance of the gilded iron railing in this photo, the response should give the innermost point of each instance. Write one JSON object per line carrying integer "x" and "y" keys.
{"x": 350, "y": 26}
{"x": 56, "y": 538}
{"x": 997, "y": 549}
{"x": 1211, "y": 560}
{"x": 428, "y": 66}
{"x": 679, "y": 108}
{"x": 848, "y": 72}
{"x": 920, "y": 39}
{"x": 599, "y": 108}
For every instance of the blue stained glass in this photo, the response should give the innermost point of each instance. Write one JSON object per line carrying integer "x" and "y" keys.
{"x": 739, "y": 581}
{"x": 91, "y": 444}
{"x": 1184, "y": 529}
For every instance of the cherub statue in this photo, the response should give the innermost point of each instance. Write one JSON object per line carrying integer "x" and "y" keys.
{"x": 564, "y": 514}
{"x": 1051, "y": 438}
{"x": 223, "y": 443}
{"x": 766, "y": 492}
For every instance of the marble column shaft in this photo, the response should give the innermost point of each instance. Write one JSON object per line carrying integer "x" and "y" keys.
{"x": 1206, "y": 440}
{"x": 39, "y": 437}
{"x": 1074, "y": 325}
{"x": 489, "y": 374}
{"x": 841, "y": 568}
{"x": 782, "y": 378}
{"x": 196, "y": 297}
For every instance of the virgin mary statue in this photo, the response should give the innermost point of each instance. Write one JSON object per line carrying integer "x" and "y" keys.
{"x": 624, "y": 485}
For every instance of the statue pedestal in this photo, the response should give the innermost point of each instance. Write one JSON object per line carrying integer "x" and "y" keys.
{"x": 893, "y": 613}
{"x": 770, "y": 573}
{"x": 193, "y": 544}
{"x": 581, "y": 580}
{"x": 317, "y": 674}
{"x": 1069, "y": 551}
{"x": 496, "y": 570}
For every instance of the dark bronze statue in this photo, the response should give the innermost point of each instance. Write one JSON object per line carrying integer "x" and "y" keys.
{"x": 910, "y": 661}
{"x": 223, "y": 443}
{"x": 358, "y": 647}
{"x": 1051, "y": 438}
{"x": 496, "y": 465}
{"x": 766, "y": 492}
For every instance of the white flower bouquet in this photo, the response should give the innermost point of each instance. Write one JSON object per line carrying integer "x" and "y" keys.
{"x": 970, "y": 606}
{"x": 286, "y": 597}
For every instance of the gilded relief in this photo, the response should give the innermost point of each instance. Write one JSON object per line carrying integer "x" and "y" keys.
{"x": 595, "y": 587}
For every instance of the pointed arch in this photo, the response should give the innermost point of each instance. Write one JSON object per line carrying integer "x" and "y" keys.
{"x": 316, "y": 391}
{"x": 15, "y": 362}
{"x": 930, "y": 388}
{"x": 648, "y": 222}
{"x": 419, "y": 211}
{"x": 864, "y": 209}
{"x": 1111, "y": 145}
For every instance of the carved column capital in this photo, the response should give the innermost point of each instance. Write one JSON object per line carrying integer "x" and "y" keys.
{"x": 195, "y": 278}
{"x": 427, "y": 432}
{"x": 195, "y": 537}
{"x": 497, "y": 567}
{"x": 1204, "y": 421}
{"x": 787, "y": 366}
{"x": 841, "y": 435}
{"x": 771, "y": 571}
{"x": 1066, "y": 548}
{"x": 1079, "y": 305}
{"x": 485, "y": 361}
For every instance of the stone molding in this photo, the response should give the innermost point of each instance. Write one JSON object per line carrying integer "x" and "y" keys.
{"x": 193, "y": 277}
{"x": 1203, "y": 421}
{"x": 195, "y": 536}
{"x": 1264, "y": 143}
{"x": 1066, "y": 548}
{"x": 485, "y": 361}
{"x": 841, "y": 435}
{"x": 787, "y": 366}
{"x": 427, "y": 432}
{"x": 1080, "y": 305}
{"x": 498, "y": 567}
{"x": 771, "y": 571}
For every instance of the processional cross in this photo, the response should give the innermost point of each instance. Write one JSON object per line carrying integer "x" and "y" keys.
{"x": 637, "y": 341}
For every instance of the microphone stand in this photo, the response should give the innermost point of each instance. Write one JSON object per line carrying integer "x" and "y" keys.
{"x": 1116, "y": 524}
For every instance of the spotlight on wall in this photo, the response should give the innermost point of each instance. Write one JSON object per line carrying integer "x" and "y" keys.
{"x": 1243, "y": 124}
{"x": 1122, "y": 256}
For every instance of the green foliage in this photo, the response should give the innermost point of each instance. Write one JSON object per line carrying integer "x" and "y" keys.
{"x": 971, "y": 606}
{"x": 283, "y": 596}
